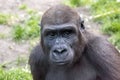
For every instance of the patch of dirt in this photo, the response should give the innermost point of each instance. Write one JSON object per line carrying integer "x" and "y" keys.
{"x": 11, "y": 6}
{"x": 10, "y": 50}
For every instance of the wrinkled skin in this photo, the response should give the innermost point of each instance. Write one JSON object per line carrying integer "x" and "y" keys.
{"x": 68, "y": 52}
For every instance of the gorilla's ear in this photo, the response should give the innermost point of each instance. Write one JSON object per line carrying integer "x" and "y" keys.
{"x": 82, "y": 24}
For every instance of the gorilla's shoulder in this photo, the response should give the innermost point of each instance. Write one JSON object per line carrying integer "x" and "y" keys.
{"x": 94, "y": 37}
{"x": 36, "y": 55}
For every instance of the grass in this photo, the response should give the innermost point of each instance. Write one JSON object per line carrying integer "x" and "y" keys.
{"x": 115, "y": 39}
{"x": 4, "y": 18}
{"x": 29, "y": 27}
{"x": 77, "y": 3}
{"x": 110, "y": 23}
{"x": 111, "y": 27}
{"x": 15, "y": 70}
{"x": 25, "y": 28}
{"x": 15, "y": 74}
{"x": 72, "y": 3}
{"x": 103, "y": 6}
{"x": 23, "y": 7}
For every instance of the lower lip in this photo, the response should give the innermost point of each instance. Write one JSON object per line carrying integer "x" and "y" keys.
{"x": 61, "y": 63}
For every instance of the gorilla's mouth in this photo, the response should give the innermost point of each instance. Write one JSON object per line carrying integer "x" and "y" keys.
{"x": 61, "y": 58}
{"x": 61, "y": 62}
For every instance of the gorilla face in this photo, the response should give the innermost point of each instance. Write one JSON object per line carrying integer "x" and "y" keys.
{"x": 60, "y": 42}
{"x": 61, "y": 37}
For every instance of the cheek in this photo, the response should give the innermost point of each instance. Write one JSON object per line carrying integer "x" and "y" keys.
{"x": 48, "y": 44}
{"x": 71, "y": 55}
{"x": 76, "y": 47}
{"x": 74, "y": 41}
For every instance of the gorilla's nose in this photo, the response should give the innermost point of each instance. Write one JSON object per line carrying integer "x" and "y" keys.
{"x": 60, "y": 50}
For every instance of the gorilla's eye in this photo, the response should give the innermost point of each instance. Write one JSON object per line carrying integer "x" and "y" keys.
{"x": 51, "y": 34}
{"x": 67, "y": 32}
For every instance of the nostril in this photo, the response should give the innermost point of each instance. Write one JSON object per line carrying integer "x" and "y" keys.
{"x": 59, "y": 51}
{"x": 64, "y": 50}
{"x": 56, "y": 51}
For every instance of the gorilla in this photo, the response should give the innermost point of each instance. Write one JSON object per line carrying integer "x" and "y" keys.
{"x": 67, "y": 51}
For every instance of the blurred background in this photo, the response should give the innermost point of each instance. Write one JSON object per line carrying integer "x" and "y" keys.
{"x": 20, "y": 32}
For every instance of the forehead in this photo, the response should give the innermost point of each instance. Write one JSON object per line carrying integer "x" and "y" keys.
{"x": 59, "y": 15}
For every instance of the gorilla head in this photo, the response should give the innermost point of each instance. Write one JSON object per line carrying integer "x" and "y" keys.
{"x": 61, "y": 37}
{"x": 68, "y": 52}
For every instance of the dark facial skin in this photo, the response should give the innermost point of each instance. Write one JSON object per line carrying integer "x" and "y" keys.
{"x": 61, "y": 37}
{"x": 59, "y": 40}
{"x": 69, "y": 52}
